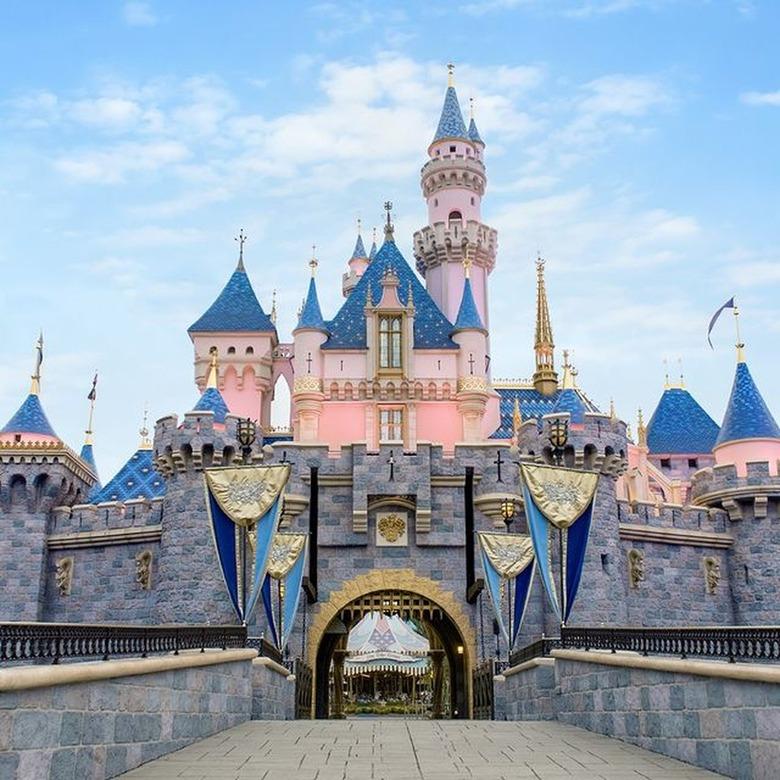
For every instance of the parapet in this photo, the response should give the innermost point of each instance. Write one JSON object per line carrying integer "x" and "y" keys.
{"x": 753, "y": 495}
{"x": 135, "y": 513}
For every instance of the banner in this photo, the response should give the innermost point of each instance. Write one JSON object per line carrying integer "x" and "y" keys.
{"x": 244, "y": 504}
{"x": 559, "y": 500}
{"x": 282, "y": 587}
{"x": 508, "y": 561}
{"x": 728, "y": 305}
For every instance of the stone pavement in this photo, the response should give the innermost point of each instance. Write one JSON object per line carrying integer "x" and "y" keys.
{"x": 412, "y": 750}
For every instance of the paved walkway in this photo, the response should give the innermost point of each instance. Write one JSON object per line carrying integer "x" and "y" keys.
{"x": 412, "y": 750}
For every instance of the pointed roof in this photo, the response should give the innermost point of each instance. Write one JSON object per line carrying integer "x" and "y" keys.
{"x": 235, "y": 309}
{"x": 451, "y": 124}
{"x": 88, "y": 456}
{"x": 348, "y": 328}
{"x": 474, "y": 133}
{"x": 468, "y": 315}
{"x": 136, "y": 479}
{"x": 372, "y": 253}
{"x": 311, "y": 314}
{"x": 543, "y": 333}
{"x": 212, "y": 401}
{"x": 30, "y": 418}
{"x": 359, "y": 252}
{"x": 679, "y": 425}
{"x": 747, "y": 415}
{"x": 569, "y": 400}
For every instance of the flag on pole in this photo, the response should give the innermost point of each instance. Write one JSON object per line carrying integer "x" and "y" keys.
{"x": 281, "y": 590}
{"x": 728, "y": 305}
{"x": 93, "y": 392}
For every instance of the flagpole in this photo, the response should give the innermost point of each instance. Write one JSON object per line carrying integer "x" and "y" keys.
{"x": 560, "y": 552}
{"x": 740, "y": 345}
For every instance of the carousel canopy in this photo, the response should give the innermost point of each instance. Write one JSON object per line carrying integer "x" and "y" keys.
{"x": 386, "y": 643}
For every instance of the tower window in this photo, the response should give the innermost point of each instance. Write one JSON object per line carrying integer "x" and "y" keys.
{"x": 390, "y": 342}
{"x": 231, "y": 350}
{"x": 666, "y": 463}
{"x": 693, "y": 463}
{"x": 455, "y": 215}
{"x": 250, "y": 350}
{"x": 472, "y": 201}
{"x": 391, "y": 424}
{"x": 453, "y": 149}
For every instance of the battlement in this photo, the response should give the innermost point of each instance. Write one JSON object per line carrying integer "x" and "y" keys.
{"x": 677, "y": 516}
{"x": 197, "y": 443}
{"x": 79, "y": 518}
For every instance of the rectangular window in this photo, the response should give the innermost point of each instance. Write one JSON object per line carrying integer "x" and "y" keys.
{"x": 391, "y": 425}
{"x": 693, "y": 463}
{"x": 390, "y": 342}
{"x": 666, "y": 463}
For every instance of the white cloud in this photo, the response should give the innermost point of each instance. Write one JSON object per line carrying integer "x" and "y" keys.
{"x": 113, "y": 164}
{"x": 761, "y": 98}
{"x": 105, "y": 112}
{"x": 138, "y": 14}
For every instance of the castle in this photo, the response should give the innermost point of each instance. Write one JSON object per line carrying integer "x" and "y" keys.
{"x": 394, "y": 412}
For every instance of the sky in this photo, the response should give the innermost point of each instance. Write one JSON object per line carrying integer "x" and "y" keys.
{"x": 632, "y": 142}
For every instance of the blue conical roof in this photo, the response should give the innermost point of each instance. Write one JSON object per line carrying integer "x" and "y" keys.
{"x": 679, "y": 425}
{"x": 372, "y": 253}
{"x": 136, "y": 479}
{"x": 570, "y": 401}
{"x": 311, "y": 314}
{"x": 30, "y": 418}
{"x": 348, "y": 328}
{"x": 88, "y": 456}
{"x": 474, "y": 133}
{"x": 451, "y": 124}
{"x": 468, "y": 315}
{"x": 747, "y": 415}
{"x": 212, "y": 401}
{"x": 360, "y": 250}
{"x": 235, "y": 309}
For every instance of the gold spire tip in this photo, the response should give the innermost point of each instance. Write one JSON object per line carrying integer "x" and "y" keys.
{"x": 467, "y": 263}
{"x": 213, "y": 370}
{"x": 145, "y": 443}
{"x": 35, "y": 383}
{"x": 313, "y": 263}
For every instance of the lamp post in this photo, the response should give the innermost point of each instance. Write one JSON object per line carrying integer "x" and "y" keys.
{"x": 507, "y": 508}
{"x": 247, "y": 434}
{"x": 558, "y": 436}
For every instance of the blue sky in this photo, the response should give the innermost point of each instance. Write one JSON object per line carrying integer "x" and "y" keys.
{"x": 633, "y": 142}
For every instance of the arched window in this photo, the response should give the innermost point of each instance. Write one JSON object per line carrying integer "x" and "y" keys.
{"x": 455, "y": 215}
{"x": 390, "y": 341}
{"x": 250, "y": 350}
{"x": 231, "y": 350}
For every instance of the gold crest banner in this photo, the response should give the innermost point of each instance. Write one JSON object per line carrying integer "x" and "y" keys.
{"x": 284, "y": 553}
{"x": 509, "y": 553}
{"x": 245, "y": 494}
{"x": 561, "y": 495}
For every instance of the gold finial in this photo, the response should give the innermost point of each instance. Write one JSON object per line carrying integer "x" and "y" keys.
{"x": 450, "y": 74}
{"x": 35, "y": 384}
{"x": 667, "y": 383}
{"x": 467, "y": 263}
{"x": 568, "y": 372}
{"x": 213, "y": 371}
{"x": 145, "y": 443}
{"x": 612, "y": 413}
{"x": 313, "y": 263}
{"x": 241, "y": 238}
{"x": 273, "y": 307}
{"x": 682, "y": 376}
{"x": 517, "y": 418}
{"x": 471, "y": 108}
{"x": 641, "y": 431}
{"x": 91, "y": 396}
{"x": 740, "y": 345}
{"x": 389, "y": 223}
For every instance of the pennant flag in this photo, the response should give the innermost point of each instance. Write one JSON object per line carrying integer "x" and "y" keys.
{"x": 92, "y": 395}
{"x": 728, "y": 305}
{"x": 559, "y": 499}
{"x": 281, "y": 589}
{"x": 508, "y": 562}
{"x": 244, "y": 504}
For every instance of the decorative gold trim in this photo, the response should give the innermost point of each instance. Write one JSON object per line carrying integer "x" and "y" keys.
{"x": 473, "y": 384}
{"x": 391, "y": 527}
{"x": 307, "y": 384}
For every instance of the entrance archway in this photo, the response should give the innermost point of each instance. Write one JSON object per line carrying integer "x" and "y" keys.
{"x": 402, "y": 592}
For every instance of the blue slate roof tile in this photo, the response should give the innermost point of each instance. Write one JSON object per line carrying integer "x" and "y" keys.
{"x": 747, "y": 415}
{"x": 372, "y": 253}
{"x": 474, "y": 133}
{"x": 30, "y": 418}
{"x": 212, "y": 401}
{"x": 569, "y": 400}
{"x": 360, "y": 250}
{"x": 235, "y": 309}
{"x": 451, "y": 124}
{"x": 136, "y": 479}
{"x": 311, "y": 314}
{"x": 468, "y": 315}
{"x": 88, "y": 456}
{"x": 679, "y": 425}
{"x": 533, "y": 405}
{"x": 348, "y": 328}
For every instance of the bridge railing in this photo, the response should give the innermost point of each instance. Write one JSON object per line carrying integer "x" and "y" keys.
{"x": 732, "y": 643}
{"x": 55, "y": 641}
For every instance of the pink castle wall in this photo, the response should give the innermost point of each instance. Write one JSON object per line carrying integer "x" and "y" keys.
{"x": 740, "y": 453}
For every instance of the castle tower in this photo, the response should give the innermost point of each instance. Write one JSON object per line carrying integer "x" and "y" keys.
{"x": 245, "y": 338}
{"x": 37, "y": 473}
{"x": 308, "y": 337}
{"x": 470, "y": 335}
{"x": 545, "y": 378}
{"x": 453, "y": 182}
{"x": 357, "y": 264}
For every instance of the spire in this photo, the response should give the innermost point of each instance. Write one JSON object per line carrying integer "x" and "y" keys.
{"x": 272, "y": 315}
{"x": 545, "y": 377}
{"x": 568, "y": 372}
{"x": 468, "y": 315}
{"x": 612, "y": 413}
{"x": 35, "y": 383}
{"x": 145, "y": 443}
{"x": 359, "y": 253}
{"x": 641, "y": 431}
{"x": 517, "y": 418}
{"x": 451, "y": 124}
{"x": 747, "y": 415}
{"x": 241, "y": 238}
{"x": 311, "y": 314}
{"x": 473, "y": 133}
{"x": 372, "y": 253}
{"x": 212, "y": 400}
{"x": 389, "y": 223}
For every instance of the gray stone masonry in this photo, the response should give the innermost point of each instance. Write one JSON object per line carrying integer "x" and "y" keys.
{"x": 273, "y": 692}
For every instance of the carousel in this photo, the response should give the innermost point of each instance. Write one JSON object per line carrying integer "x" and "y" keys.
{"x": 387, "y": 667}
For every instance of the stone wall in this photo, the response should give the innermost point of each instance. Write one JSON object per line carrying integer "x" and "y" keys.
{"x": 723, "y": 717}
{"x": 97, "y": 720}
{"x": 273, "y": 691}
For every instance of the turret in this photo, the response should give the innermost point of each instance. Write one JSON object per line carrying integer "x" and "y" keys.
{"x": 357, "y": 265}
{"x": 245, "y": 337}
{"x": 308, "y": 337}
{"x": 453, "y": 182}
{"x": 212, "y": 400}
{"x": 545, "y": 377}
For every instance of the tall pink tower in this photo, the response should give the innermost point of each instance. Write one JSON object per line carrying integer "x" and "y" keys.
{"x": 453, "y": 183}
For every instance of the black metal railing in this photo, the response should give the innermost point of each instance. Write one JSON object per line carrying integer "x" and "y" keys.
{"x": 55, "y": 641}
{"x": 303, "y": 684}
{"x": 536, "y": 649}
{"x": 484, "y": 695}
{"x": 748, "y": 643}
{"x": 265, "y": 648}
